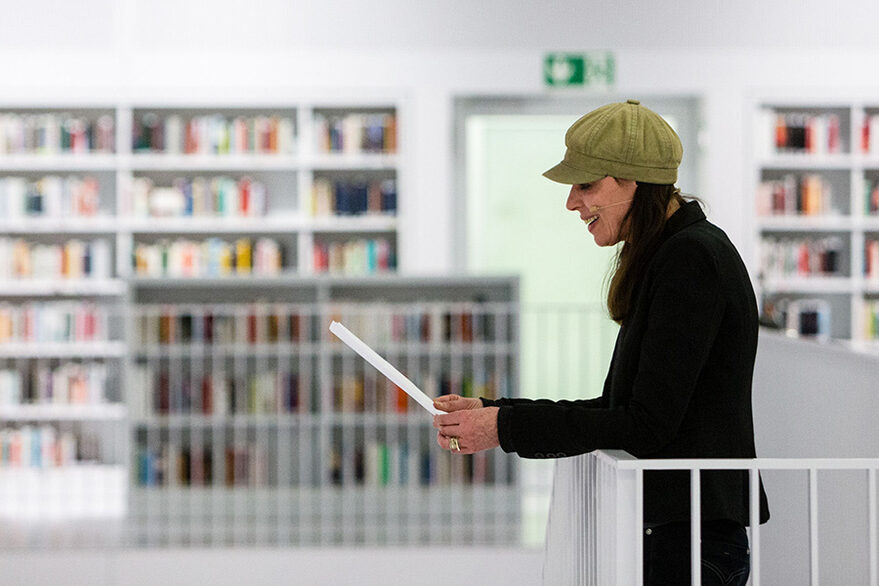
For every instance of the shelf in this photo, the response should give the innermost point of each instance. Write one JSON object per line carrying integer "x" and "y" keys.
{"x": 255, "y": 225}
{"x": 105, "y": 411}
{"x": 45, "y": 287}
{"x": 196, "y": 349}
{"x": 806, "y": 161}
{"x": 32, "y": 225}
{"x": 288, "y": 279}
{"x": 63, "y": 350}
{"x": 342, "y": 162}
{"x": 188, "y": 420}
{"x": 226, "y": 163}
{"x": 827, "y": 285}
{"x": 365, "y": 223}
{"x": 61, "y": 162}
{"x": 781, "y": 223}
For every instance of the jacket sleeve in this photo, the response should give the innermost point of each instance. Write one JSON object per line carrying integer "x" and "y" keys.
{"x": 684, "y": 310}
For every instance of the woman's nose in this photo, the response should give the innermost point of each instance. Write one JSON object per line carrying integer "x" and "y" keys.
{"x": 571, "y": 203}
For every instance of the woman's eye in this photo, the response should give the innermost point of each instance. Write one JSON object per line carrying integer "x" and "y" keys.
{"x": 585, "y": 186}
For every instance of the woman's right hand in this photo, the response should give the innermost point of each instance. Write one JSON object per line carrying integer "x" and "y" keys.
{"x": 449, "y": 403}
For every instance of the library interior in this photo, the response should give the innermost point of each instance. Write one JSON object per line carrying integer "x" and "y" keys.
{"x": 191, "y": 193}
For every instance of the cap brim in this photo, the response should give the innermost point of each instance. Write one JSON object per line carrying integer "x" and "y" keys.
{"x": 564, "y": 173}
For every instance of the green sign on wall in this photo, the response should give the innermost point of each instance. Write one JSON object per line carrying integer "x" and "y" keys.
{"x": 587, "y": 70}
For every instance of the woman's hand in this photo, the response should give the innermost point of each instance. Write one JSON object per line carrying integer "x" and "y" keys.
{"x": 474, "y": 426}
{"x": 449, "y": 403}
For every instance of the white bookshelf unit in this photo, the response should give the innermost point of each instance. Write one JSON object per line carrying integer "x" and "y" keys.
{"x": 229, "y": 237}
{"x": 816, "y": 173}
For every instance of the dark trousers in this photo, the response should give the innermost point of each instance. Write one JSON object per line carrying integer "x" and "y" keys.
{"x": 726, "y": 558}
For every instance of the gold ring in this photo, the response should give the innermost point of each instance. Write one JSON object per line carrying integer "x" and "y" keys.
{"x": 453, "y": 444}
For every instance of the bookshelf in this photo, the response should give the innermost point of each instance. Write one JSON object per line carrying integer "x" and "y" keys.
{"x": 816, "y": 168}
{"x": 213, "y": 246}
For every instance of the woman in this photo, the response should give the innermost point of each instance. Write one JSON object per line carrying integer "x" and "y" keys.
{"x": 679, "y": 382}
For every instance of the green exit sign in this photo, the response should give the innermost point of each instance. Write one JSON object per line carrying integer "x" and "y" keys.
{"x": 592, "y": 70}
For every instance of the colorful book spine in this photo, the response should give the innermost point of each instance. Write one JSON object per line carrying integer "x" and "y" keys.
{"x": 792, "y": 195}
{"x": 52, "y": 133}
{"x": 808, "y": 133}
{"x": 214, "y": 134}
{"x": 199, "y": 197}
{"x": 346, "y": 197}
{"x": 75, "y": 259}
{"x": 871, "y": 258}
{"x": 354, "y": 257}
{"x": 50, "y": 197}
{"x": 53, "y": 322}
{"x": 356, "y": 133}
{"x": 42, "y": 446}
{"x": 214, "y": 257}
{"x": 801, "y": 257}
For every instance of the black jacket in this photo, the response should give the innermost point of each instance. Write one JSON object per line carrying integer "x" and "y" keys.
{"x": 679, "y": 384}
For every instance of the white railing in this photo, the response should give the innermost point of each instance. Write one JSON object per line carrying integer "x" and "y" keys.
{"x": 595, "y": 525}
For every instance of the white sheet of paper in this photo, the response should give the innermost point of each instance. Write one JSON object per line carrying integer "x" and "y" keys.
{"x": 383, "y": 366}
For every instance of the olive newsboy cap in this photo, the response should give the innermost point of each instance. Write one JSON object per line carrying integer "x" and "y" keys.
{"x": 623, "y": 140}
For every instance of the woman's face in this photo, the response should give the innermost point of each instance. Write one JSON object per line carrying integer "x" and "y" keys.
{"x": 602, "y": 205}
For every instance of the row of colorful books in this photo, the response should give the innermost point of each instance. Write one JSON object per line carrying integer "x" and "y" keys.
{"x": 358, "y": 256}
{"x": 213, "y": 257}
{"x": 356, "y": 133}
{"x": 68, "y": 383}
{"x": 352, "y": 393}
{"x": 214, "y": 134}
{"x": 160, "y": 390}
{"x": 75, "y": 259}
{"x": 807, "y": 194}
{"x": 244, "y": 464}
{"x": 810, "y": 133}
{"x": 53, "y": 321}
{"x": 38, "y": 446}
{"x": 55, "y": 133}
{"x": 49, "y": 197}
{"x": 199, "y": 197}
{"x": 424, "y": 322}
{"x": 382, "y": 463}
{"x": 791, "y": 257}
{"x": 347, "y": 197}
{"x": 256, "y": 323}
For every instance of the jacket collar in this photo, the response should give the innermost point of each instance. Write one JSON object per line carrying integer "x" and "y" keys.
{"x": 689, "y": 213}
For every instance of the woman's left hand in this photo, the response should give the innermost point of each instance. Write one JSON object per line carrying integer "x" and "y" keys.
{"x": 475, "y": 430}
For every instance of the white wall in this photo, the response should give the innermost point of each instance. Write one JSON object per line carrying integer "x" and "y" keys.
{"x": 430, "y": 52}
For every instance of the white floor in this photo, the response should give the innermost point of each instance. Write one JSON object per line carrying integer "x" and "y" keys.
{"x": 312, "y": 566}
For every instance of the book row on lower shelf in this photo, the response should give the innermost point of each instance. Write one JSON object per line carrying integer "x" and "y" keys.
{"x": 55, "y": 132}
{"x": 213, "y": 257}
{"x": 75, "y": 259}
{"x": 243, "y": 463}
{"x": 54, "y": 321}
{"x": 49, "y": 197}
{"x": 45, "y": 446}
{"x": 267, "y": 388}
{"x": 64, "y": 383}
{"x": 199, "y": 197}
{"x": 791, "y": 256}
{"x": 266, "y": 323}
{"x": 353, "y": 197}
{"x": 360, "y": 256}
{"x": 809, "y": 195}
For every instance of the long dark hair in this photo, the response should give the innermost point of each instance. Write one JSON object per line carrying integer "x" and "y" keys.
{"x": 641, "y": 231}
